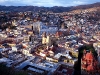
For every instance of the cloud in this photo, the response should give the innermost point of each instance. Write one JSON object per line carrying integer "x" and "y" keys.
{"x": 42, "y": 2}
{"x": 79, "y": 2}
{"x": 11, "y": 2}
{"x": 1, "y": 1}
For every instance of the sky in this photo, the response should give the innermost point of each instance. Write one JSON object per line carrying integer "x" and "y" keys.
{"x": 46, "y": 3}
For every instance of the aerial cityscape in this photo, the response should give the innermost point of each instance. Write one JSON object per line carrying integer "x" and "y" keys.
{"x": 49, "y": 37}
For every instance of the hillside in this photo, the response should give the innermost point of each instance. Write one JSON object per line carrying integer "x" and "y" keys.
{"x": 56, "y": 9}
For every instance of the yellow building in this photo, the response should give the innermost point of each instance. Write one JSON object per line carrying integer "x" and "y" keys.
{"x": 46, "y": 39}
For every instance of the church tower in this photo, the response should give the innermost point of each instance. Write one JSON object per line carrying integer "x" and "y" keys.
{"x": 48, "y": 40}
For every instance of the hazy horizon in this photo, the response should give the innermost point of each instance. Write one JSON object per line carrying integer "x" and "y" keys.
{"x": 47, "y": 3}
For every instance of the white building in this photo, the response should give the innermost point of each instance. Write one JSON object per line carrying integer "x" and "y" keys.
{"x": 26, "y": 52}
{"x": 49, "y": 30}
{"x": 39, "y": 27}
{"x": 36, "y": 26}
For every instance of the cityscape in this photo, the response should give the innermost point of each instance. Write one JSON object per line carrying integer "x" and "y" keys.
{"x": 50, "y": 40}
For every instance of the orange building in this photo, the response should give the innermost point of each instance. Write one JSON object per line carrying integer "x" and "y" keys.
{"x": 89, "y": 63}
